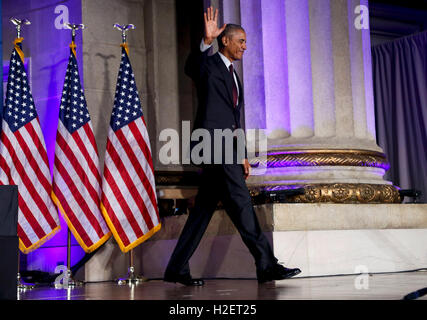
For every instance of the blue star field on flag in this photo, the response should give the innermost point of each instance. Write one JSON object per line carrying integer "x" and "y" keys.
{"x": 73, "y": 110}
{"x": 127, "y": 106}
{"x": 19, "y": 105}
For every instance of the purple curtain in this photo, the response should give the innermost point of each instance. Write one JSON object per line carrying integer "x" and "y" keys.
{"x": 400, "y": 93}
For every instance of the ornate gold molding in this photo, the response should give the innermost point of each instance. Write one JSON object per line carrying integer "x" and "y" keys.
{"x": 341, "y": 193}
{"x": 325, "y": 157}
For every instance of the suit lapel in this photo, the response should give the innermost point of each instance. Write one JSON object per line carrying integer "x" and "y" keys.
{"x": 226, "y": 76}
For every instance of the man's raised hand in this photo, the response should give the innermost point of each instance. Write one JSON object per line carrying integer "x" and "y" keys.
{"x": 211, "y": 26}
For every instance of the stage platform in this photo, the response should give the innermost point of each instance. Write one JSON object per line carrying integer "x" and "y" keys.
{"x": 390, "y": 286}
{"x": 321, "y": 239}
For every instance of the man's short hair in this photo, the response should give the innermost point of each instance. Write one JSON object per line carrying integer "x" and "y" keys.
{"x": 229, "y": 29}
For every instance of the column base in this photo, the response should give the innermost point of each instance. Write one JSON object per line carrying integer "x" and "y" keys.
{"x": 338, "y": 193}
{"x": 327, "y": 175}
{"x": 321, "y": 239}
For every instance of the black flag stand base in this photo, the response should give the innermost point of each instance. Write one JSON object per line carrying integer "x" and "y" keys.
{"x": 21, "y": 284}
{"x": 131, "y": 278}
{"x": 68, "y": 282}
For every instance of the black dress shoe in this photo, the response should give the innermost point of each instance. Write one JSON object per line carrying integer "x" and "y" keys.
{"x": 186, "y": 280}
{"x": 277, "y": 272}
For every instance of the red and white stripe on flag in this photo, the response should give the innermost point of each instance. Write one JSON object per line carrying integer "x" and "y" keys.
{"x": 128, "y": 190}
{"x": 76, "y": 174}
{"x": 23, "y": 162}
{"x": 77, "y": 186}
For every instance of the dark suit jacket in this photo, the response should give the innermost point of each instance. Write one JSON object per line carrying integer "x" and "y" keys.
{"x": 214, "y": 91}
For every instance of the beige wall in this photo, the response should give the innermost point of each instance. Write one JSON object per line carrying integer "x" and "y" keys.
{"x": 101, "y": 57}
{"x": 158, "y": 49}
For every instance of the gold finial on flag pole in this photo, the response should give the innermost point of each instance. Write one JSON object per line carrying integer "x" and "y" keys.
{"x": 19, "y": 23}
{"x": 73, "y": 27}
{"x": 17, "y": 43}
{"x": 124, "y": 29}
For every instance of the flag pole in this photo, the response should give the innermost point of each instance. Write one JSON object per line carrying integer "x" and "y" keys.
{"x": 131, "y": 278}
{"x": 19, "y": 23}
{"x": 69, "y": 282}
{"x": 21, "y": 285}
{"x": 74, "y": 27}
{"x": 123, "y": 29}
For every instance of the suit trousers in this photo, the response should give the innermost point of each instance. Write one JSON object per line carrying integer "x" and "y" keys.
{"x": 226, "y": 183}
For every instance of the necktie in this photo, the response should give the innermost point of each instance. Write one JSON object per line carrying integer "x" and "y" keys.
{"x": 234, "y": 86}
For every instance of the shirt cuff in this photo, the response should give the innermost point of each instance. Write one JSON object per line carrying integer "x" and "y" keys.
{"x": 204, "y": 46}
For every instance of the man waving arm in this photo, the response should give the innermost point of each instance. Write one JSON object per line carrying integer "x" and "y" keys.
{"x": 194, "y": 66}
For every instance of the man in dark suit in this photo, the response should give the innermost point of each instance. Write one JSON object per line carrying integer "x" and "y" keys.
{"x": 220, "y": 97}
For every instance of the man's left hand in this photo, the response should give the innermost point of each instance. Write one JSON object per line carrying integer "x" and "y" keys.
{"x": 246, "y": 168}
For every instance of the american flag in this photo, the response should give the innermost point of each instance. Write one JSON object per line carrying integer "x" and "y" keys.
{"x": 76, "y": 174}
{"x": 23, "y": 159}
{"x": 128, "y": 189}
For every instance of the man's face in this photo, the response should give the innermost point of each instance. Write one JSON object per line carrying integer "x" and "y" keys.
{"x": 235, "y": 45}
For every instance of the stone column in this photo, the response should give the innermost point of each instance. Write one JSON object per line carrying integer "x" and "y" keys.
{"x": 308, "y": 85}
{"x": 101, "y": 60}
{"x": 231, "y": 14}
{"x": 162, "y": 73}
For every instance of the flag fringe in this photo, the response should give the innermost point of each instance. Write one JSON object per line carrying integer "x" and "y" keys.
{"x": 39, "y": 243}
{"x": 73, "y": 48}
{"x": 117, "y": 237}
{"x": 87, "y": 249}
{"x": 126, "y": 47}
{"x": 18, "y": 49}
